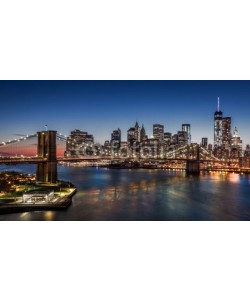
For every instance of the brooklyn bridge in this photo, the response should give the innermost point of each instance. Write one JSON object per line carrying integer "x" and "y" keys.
{"x": 42, "y": 148}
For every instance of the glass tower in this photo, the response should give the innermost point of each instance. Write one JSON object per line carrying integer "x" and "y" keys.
{"x": 226, "y": 135}
{"x": 218, "y": 117}
{"x": 187, "y": 129}
{"x": 158, "y": 132}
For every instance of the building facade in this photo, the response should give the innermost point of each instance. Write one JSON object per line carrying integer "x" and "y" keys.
{"x": 204, "y": 143}
{"x": 79, "y": 143}
{"x": 226, "y": 137}
{"x": 115, "y": 140}
{"x": 187, "y": 129}
{"x": 158, "y": 132}
{"x": 236, "y": 149}
{"x": 182, "y": 138}
{"x": 218, "y": 117}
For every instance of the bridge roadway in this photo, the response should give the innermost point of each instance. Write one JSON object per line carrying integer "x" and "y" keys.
{"x": 223, "y": 167}
{"x": 15, "y": 160}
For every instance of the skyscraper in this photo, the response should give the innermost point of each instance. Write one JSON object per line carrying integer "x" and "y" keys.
{"x": 174, "y": 141}
{"x": 158, "y": 132}
{"x": 167, "y": 138}
{"x": 247, "y": 151}
{"x": 134, "y": 134}
{"x": 116, "y": 136}
{"x": 236, "y": 150}
{"x": 204, "y": 143}
{"x": 187, "y": 129}
{"x": 182, "y": 138}
{"x": 115, "y": 140}
{"x": 226, "y": 136}
{"x": 143, "y": 134}
{"x": 77, "y": 142}
{"x": 137, "y": 132}
{"x": 218, "y": 116}
{"x": 246, "y": 158}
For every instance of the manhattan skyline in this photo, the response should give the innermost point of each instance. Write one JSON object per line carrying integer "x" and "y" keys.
{"x": 100, "y": 107}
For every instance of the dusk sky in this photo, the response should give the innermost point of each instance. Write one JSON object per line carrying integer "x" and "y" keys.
{"x": 100, "y": 107}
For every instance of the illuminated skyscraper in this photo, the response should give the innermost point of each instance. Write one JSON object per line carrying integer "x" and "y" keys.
{"x": 143, "y": 134}
{"x": 236, "y": 150}
{"x": 226, "y": 136}
{"x": 77, "y": 142}
{"x": 204, "y": 143}
{"x": 246, "y": 158}
{"x": 115, "y": 140}
{"x": 158, "y": 132}
{"x": 187, "y": 129}
{"x": 134, "y": 134}
{"x": 167, "y": 138}
{"x": 182, "y": 138}
{"x": 218, "y": 116}
{"x": 247, "y": 151}
{"x": 116, "y": 137}
{"x": 174, "y": 141}
{"x": 226, "y": 132}
{"x": 137, "y": 132}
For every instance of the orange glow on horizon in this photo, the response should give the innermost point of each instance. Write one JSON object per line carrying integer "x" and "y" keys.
{"x": 28, "y": 151}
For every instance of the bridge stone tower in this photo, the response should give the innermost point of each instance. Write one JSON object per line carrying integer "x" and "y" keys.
{"x": 46, "y": 148}
{"x": 193, "y": 165}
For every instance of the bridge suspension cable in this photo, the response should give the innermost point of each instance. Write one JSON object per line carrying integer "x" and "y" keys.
{"x": 24, "y": 138}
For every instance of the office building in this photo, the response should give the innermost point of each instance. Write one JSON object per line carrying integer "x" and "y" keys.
{"x": 226, "y": 137}
{"x": 218, "y": 117}
{"x": 150, "y": 148}
{"x": 131, "y": 136}
{"x": 167, "y": 139}
{"x": 137, "y": 132}
{"x": 247, "y": 151}
{"x": 174, "y": 140}
{"x": 158, "y": 132}
{"x": 246, "y": 158}
{"x": 144, "y": 137}
{"x": 78, "y": 143}
{"x": 182, "y": 138}
{"x": 204, "y": 143}
{"x": 134, "y": 134}
{"x": 124, "y": 149}
{"x": 116, "y": 139}
{"x": 236, "y": 149}
{"x": 187, "y": 129}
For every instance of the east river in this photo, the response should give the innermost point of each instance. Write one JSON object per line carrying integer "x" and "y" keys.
{"x": 142, "y": 194}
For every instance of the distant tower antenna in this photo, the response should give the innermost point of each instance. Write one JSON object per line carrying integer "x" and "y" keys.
{"x": 218, "y": 103}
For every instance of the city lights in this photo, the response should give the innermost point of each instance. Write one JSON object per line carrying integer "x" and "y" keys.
{"x": 162, "y": 149}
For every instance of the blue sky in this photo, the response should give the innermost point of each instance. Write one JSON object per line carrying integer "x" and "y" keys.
{"x": 102, "y": 106}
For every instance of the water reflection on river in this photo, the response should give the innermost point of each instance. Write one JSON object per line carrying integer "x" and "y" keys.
{"x": 105, "y": 194}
